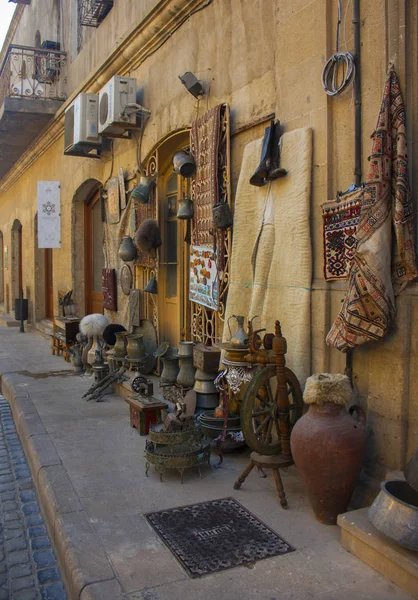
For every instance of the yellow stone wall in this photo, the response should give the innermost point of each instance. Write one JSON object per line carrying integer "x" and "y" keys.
{"x": 262, "y": 57}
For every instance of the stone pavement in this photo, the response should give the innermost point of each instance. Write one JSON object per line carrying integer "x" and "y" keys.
{"x": 28, "y": 567}
{"x": 89, "y": 471}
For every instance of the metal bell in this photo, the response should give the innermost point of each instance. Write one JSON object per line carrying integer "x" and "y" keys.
{"x": 185, "y": 210}
{"x": 152, "y": 287}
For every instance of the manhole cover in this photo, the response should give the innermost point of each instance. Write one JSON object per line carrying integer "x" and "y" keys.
{"x": 216, "y": 535}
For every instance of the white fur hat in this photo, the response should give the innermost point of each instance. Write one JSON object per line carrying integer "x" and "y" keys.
{"x": 328, "y": 387}
{"x": 93, "y": 324}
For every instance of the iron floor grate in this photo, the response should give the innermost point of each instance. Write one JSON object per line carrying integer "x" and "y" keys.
{"x": 216, "y": 535}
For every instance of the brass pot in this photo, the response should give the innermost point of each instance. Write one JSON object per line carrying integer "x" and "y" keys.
{"x": 135, "y": 348}
{"x": 395, "y": 513}
{"x": 120, "y": 346}
{"x": 185, "y": 210}
{"x": 184, "y": 163}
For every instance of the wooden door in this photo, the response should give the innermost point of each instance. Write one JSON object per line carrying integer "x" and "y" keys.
{"x": 49, "y": 287}
{"x": 94, "y": 257}
{"x": 171, "y": 280}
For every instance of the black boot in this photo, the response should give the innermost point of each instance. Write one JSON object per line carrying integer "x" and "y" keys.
{"x": 274, "y": 171}
{"x": 261, "y": 172}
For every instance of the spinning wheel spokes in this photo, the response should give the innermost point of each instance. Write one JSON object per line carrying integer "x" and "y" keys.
{"x": 260, "y": 412}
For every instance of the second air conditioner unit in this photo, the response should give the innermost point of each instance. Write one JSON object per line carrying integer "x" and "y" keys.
{"x": 81, "y": 136}
{"x": 118, "y": 111}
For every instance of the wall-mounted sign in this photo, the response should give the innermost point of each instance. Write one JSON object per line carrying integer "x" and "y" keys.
{"x": 204, "y": 281}
{"x": 49, "y": 214}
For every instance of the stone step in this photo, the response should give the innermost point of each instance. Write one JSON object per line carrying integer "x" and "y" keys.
{"x": 398, "y": 564}
{"x": 8, "y": 321}
{"x": 44, "y": 328}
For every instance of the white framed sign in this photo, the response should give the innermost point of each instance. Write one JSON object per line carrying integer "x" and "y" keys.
{"x": 49, "y": 214}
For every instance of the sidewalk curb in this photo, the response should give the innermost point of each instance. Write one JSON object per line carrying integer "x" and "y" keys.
{"x": 85, "y": 567}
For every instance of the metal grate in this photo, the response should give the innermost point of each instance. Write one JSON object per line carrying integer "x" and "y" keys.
{"x": 92, "y": 12}
{"x": 216, "y": 535}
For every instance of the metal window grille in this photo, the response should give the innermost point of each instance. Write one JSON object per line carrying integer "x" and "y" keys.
{"x": 92, "y": 12}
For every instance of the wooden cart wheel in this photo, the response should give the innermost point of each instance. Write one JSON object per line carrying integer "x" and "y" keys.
{"x": 260, "y": 411}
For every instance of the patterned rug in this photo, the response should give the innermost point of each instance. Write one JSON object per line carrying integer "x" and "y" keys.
{"x": 340, "y": 221}
{"x": 378, "y": 274}
{"x": 204, "y": 144}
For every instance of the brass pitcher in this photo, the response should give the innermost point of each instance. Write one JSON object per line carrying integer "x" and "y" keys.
{"x": 240, "y": 337}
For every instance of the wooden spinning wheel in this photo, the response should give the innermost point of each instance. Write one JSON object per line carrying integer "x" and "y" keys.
{"x": 261, "y": 414}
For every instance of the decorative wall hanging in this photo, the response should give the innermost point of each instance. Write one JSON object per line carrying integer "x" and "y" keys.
{"x": 126, "y": 279}
{"x": 49, "y": 214}
{"x": 379, "y": 273}
{"x": 340, "y": 221}
{"x": 122, "y": 191}
{"x": 205, "y": 136}
{"x": 113, "y": 206}
{"x": 135, "y": 308}
{"x": 109, "y": 289}
{"x": 204, "y": 281}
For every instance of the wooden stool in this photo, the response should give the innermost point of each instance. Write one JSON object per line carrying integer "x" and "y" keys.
{"x": 263, "y": 461}
{"x": 143, "y": 414}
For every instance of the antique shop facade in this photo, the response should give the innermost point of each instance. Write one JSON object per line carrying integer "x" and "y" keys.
{"x": 259, "y": 59}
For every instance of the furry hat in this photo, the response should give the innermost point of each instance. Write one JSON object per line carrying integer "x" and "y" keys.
{"x": 148, "y": 236}
{"x": 93, "y": 324}
{"x": 327, "y": 387}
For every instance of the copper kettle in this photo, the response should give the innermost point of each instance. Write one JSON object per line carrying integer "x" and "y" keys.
{"x": 143, "y": 190}
{"x": 240, "y": 337}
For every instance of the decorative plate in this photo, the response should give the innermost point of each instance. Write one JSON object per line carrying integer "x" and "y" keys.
{"x": 126, "y": 279}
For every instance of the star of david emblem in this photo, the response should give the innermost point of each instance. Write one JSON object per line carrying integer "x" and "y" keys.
{"x": 48, "y": 208}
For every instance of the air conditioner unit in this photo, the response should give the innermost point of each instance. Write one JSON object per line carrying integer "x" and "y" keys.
{"x": 118, "y": 111}
{"x": 81, "y": 135}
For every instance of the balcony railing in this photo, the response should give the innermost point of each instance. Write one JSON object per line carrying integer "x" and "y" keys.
{"x": 32, "y": 73}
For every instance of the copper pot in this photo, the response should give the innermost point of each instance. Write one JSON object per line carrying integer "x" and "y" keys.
{"x": 328, "y": 446}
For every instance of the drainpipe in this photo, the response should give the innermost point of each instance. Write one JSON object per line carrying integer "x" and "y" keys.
{"x": 357, "y": 134}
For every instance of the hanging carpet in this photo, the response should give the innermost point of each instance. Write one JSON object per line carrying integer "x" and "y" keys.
{"x": 340, "y": 220}
{"x": 378, "y": 273}
{"x": 271, "y": 262}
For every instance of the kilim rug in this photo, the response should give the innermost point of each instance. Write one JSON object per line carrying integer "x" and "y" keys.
{"x": 340, "y": 221}
{"x": 204, "y": 144}
{"x": 378, "y": 274}
{"x": 216, "y": 535}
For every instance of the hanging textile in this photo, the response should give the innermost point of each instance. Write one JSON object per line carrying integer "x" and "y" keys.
{"x": 204, "y": 143}
{"x": 143, "y": 212}
{"x": 271, "y": 262}
{"x": 378, "y": 274}
{"x": 340, "y": 220}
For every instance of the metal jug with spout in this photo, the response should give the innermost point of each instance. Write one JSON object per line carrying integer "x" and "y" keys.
{"x": 143, "y": 190}
{"x": 240, "y": 337}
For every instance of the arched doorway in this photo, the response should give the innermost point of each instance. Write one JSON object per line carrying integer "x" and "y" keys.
{"x": 16, "y": 260}
{"x": 83, "y": 222}
{"x": 94, "y": 256}
{"x": 1, "y": 268}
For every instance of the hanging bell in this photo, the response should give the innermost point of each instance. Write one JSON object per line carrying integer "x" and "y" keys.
{"x": 127, "y": 249}
{"x": 143, "y": 190}
{"x": 185, "y": 210}
{"x": 184, "y": 163}
{"x": 151, "y": 287}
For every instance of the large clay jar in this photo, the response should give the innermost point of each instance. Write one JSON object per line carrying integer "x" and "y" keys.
{"x": 328, "y": 445}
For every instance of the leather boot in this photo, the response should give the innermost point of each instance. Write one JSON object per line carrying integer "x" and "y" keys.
{"x": 275, "y": 171}
{"x": 260, "y": 174}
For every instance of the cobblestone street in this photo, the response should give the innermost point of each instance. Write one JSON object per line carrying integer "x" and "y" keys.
{"x": 28, "y": 568}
